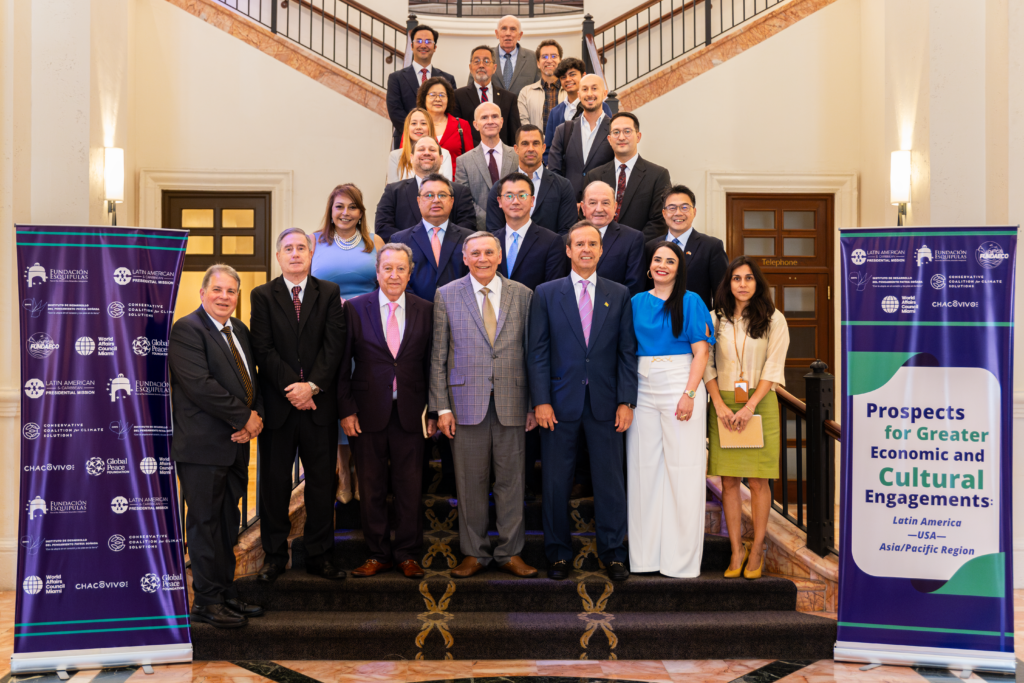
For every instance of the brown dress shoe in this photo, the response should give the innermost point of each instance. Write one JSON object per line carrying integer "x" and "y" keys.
{"x": 519, "y": 568}
{"x": 467, "y": 568}
{"x": 411, "y": 569}
{"x": 371, "y": 567}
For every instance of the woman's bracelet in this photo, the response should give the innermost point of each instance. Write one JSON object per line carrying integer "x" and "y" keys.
{"x": 747, "y": 405}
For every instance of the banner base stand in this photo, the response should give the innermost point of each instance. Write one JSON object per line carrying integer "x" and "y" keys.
{"x": 100, "y": 658}
{"x": 937, "y": 657}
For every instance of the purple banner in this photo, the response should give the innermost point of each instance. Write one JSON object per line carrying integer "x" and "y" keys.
{"x": 101, "y": 573}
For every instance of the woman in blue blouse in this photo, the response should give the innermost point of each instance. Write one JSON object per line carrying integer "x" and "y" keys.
{"x": 665, "y": 444}
{"x": 346, "y": 254}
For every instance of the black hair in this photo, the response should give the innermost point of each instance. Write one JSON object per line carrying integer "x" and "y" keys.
{"x": 679, "y": 189}
{"x": 529, "y": 128}
{"x": 421, "y": 94}
{"x": 438, "y": 178}
{"x": 568, "y": 64}
{"x": 674, "y": 302}
{"x": 759, "y": 310}
{"x": 626, "y": 115}
{"x": 515, "y": 177}
{"x": 423, "y": 27}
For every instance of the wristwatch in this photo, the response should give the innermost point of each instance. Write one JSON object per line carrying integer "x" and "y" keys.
{"x": 631, "y": 406}
{"x": 691, "y": 394}
{"x": 314, "y": 388}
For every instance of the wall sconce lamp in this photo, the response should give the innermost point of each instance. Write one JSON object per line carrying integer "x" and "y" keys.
{"x": 113, "y": 179}
{"x": 899, "y": 183}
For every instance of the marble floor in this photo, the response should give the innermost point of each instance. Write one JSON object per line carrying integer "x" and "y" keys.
{"x": 574, "y": 671}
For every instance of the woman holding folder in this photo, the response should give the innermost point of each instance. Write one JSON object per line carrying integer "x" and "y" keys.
{"x": 747, "y": 363}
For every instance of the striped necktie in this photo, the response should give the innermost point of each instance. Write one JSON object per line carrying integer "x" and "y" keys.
{"x": 246, "y": 381}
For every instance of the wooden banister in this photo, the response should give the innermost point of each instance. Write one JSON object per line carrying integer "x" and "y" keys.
{"x": 834, "y": 430}
{"x": 791, "y": 401}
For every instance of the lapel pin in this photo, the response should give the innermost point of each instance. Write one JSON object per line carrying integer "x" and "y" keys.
{"x": 689, "y": 253}
{"x": 606, "y": 304}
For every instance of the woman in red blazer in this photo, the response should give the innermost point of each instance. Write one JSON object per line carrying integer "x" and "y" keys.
{"x": 437, "y": 96}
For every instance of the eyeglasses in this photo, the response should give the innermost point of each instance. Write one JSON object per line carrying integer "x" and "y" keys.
{"x": 622, "y": 133}
{"x": 485, "y": 62}
{"x": 423, "y": 41}
{"x": 678, "y": 208}
{"x": 430, "y": 196}
{"x": 550, "y": 57}
{"x": 523, "y": 196}
{"x": 437, "y": 95}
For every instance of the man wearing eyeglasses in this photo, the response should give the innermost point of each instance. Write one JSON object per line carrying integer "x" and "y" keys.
{"x": 706, "y": 261}
{"x": 538, "y": 99}
{"x": 405, "y": 83}
{"x": 485, "y": 88}
{"x": 639, "y": 184}
{"x": 479, "y": 168}
{"x": 399, "y": 207}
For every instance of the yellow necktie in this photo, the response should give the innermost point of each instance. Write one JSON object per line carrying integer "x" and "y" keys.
{"x": 490, "y": 322}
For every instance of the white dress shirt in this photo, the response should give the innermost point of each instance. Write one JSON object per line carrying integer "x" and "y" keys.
{"x": 508, "y": 243}
{"x": 234, "y": 337}
{"x": 570, "y": 108}
{"x": 603, "y": 231}
{"x": 385, "y": 311}
{"x": 590, "y": 134}
{"x": 683, "y": 239}
{"x": 479, "y": 96}
{"x": 494, "y": 295}
{"x": 629, "y": 169}
{"x": 302, "y": 286}
{"x": 536, "y": 177}
{"x": 419, "y": 72}
{"x": 487, "y": 154}
{"x": 578, "y": 289}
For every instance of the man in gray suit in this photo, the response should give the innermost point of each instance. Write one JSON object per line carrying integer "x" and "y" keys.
{"x": 581, "y": 145}
{"x": 516, "y": 66}
{"x": 479, "y": 392}
{"x": 480, "y": 167}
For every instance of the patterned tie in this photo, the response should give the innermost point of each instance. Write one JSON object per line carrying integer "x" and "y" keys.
{"x": 423, "y": 78}
{"x": 394, "y": 338}
{"x": 492, "y": 166}
{"x": 298, "y": 314}
{"x": 586, "y": 311}
{"x": 435, "y": 244}
{"x": 620, "y": 191}
{"x": 506, "y": 74}
{"x": 246, "y": 381}
{"x": 483, "y": 94}
{"x": 675, "y": 241}
{"x": 513, "y": 252}
{"x": 490, "y": 322}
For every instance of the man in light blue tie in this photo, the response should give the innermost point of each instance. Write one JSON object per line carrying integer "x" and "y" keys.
{"x": 531, "y": 254}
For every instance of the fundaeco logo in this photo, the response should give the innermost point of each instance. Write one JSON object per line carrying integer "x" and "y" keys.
{"x": 40, "y": 345}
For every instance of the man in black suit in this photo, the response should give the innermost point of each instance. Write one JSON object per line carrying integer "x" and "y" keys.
{"x": 706, "y": 261}
{"x": 404, "y": 84}
{"x": 298, "y": 331}
{"x": 382, "y": 398}
{"x": 217, "y": 411}
{"x": 399, "y": 208}
{"x": 530, "y": 253}
{"x": 581, "y": 145}
{"x": 639, "y": 185}
{"x": 486, "y": 89}
{"x": 622, "y": 247}
{"x": 554, "y": 204}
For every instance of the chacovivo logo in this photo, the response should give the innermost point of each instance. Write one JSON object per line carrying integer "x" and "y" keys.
{"x": 40, "y": 345}
{"x": 101, "y": 585}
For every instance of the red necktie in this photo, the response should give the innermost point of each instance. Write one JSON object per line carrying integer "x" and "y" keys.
{"x": 620, "y": 191}
{"x": 492, "y": 166}
{"x": 423, "y": 79}
{"x": 483, "y": 93}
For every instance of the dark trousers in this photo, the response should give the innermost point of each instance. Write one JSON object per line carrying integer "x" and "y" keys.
{"x": 558, "y": 458}
{"x": 372, "y": 451}
{"x": 212, "y": 493}
{"x": 318, "y": 455}
{"x": 444, "y": 451}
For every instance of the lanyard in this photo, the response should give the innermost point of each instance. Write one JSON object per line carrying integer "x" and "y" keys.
{"x": 739, "y": 354}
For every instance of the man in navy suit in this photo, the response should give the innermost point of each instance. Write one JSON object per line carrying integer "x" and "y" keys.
{"x": 622, "y": 246}
{"x": 530, "y": 253}
{"x": 399, "y": 207}
{"x": 405, "y": 83}
{"x": 706, "y": 261}
{"x": 381, "y": 402}
{"x": 583, "y": 379}
{"x": 554, "y": 204}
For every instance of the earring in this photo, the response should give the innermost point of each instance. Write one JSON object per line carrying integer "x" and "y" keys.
{"x": 649, "y": 276}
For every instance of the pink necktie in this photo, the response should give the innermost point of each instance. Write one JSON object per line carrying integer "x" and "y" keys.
{"x": 394, "y": 340}
{"x": 586, "y": 311}
{"x": 435, "y": 244}
{"x": 423, "y": 79}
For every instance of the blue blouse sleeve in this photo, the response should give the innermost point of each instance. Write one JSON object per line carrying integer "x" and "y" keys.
{"x": 698, "y": 326}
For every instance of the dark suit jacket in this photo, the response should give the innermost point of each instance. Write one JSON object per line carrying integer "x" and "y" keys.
{"x": 525, "y": 73}
{"x": 208, "y": 394}
{"x": 367, "y": 389}
{"x": 467, "y": 99}
{"x": 622, "y": 257}
{"x": 562, "y": 366}
{"x": 427, "y": 275}
{"x": 555, "y": 205}
{"x": 541, "y": 257}
{"x": 566, "y": 154}
{"x": 645, "y": 190}
{"x": 398, "y": 208}
{"x": 557, "y": 117}
{"x": 283, "y": 345}
{"x": 402, "y": 88}
{"x": 706, "y": 264}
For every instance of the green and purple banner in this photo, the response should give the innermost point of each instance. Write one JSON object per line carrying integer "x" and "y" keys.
{"x": 927, "y": 336}
{"x": 101, "y": 575}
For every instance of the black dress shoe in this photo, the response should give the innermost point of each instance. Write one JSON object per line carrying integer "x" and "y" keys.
{"x": 269, "y": 573}
{"x": 219, "y": 615}
{"x": 617, "y": 571}
{"x": 324, "y": 569}
{"x": 244, "y": 608}
{"x": 559, "y": 570}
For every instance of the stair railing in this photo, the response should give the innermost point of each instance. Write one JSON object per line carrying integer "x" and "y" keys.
{"x": 496, "y": 8}
{"x": 645, "y": 38}
{"x": 344, "y": 32}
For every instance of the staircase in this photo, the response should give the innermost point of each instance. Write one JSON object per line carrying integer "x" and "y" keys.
{"x": 494, "y": 615}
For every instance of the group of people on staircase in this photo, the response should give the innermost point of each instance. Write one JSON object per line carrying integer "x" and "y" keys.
{"x": 503, "y": 307}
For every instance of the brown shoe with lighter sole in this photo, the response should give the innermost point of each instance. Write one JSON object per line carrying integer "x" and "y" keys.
{"x": 411, "y": 569}
{"x": 370, "y": 568}
{"x": 517, "y": 567}
{"x": 467, "y": 568}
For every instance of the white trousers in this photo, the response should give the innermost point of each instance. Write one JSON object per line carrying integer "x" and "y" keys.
{"x": 666, "y": 466}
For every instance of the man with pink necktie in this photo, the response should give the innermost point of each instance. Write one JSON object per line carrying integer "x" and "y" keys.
{"x": 582, "y": 367}
{"x": 381, "y": 399}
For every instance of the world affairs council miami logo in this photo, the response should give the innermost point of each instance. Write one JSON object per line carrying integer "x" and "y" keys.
{"x": 990, "y": 255}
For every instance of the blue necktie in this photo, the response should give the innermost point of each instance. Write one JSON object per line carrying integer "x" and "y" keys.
{"x": 506, "y": 73}
{"x": 675, "y": 241}
{"x": 513, "y": 251}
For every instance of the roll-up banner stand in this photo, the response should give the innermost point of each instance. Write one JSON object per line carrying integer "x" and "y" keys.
{"x": 101, "y": 572}
{"x": 927, "y": 334}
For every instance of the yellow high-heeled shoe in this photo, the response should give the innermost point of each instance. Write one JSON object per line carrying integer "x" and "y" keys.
{"x": 755, "y": 574}
{"x": 735, "y": 573}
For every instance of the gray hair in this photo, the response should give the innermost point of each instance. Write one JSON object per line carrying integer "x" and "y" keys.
{"x": 220, "y": 268}
{"x": 481, "y": 233}
{"x": 400, "y": 247}
{"x": 293, "y": 231}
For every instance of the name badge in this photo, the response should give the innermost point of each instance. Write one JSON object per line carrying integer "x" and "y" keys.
{"x": 740, "y": 388}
